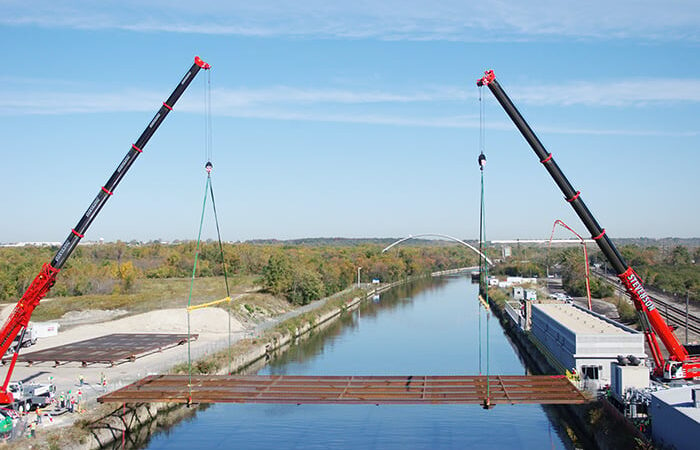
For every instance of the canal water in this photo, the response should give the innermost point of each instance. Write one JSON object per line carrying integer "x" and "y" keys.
{"x": 427, "y": 327}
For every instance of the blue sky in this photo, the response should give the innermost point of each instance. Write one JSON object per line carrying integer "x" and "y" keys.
{"x": 352, "y": 119}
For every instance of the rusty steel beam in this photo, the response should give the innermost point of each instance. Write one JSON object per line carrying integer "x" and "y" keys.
{"x": 111, "y": 349}
{"x": 349, "y": 390}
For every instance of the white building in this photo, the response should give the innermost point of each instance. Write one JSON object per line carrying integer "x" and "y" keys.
{"x": 518, "y": 293}
{"x": 521, "y": 280}
{"x": 675, "y": 417}
{"x": 583, "y": 340}
{"x": 530, "y": 294}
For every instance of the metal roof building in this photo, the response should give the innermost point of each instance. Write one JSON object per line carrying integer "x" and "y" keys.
{"x": 583, "y": 340}
{"x": 675, "y": 417}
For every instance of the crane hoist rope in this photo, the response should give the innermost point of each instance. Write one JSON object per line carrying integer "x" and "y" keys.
{"x": 208, "y": 193}
{"x": 208, "y": 143}
{"x": 483, "y": 264}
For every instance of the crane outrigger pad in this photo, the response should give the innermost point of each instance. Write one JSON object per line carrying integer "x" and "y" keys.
{"x": 110, "y": 349}
{"x": 290, "y": 389}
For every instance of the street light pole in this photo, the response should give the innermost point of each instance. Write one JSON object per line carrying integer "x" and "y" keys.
{"x": 358, "y": 276}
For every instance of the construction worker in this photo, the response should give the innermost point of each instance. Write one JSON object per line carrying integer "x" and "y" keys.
{"x": 81, "y": 379}
{"x": 32, "y": 429}
{"x": 575, "y": 376}
{"x": 103, "y": 380}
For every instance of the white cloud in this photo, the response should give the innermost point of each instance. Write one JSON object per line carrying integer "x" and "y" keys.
{"x": 25, "y": 97}
{"x": 287, "y": 94}
{"x": 453, "y": 20}
{"x": 461, "y": 121}
{"x": 50, "y": 103}
{"x": 24, "y": 101}
{"x": 620, "y": 93}
{"x": 380, "y": 107}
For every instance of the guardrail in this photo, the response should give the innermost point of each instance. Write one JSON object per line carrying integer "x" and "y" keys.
{"x": 514, "y": 315}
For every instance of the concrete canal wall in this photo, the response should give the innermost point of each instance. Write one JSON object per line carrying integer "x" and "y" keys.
{"x": 134, "y": 423}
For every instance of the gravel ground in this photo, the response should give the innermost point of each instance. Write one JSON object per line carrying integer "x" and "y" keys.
{"x": 210, "y": 323}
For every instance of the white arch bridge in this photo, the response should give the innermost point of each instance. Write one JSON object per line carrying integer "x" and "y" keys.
{"x": 445, "y": 236}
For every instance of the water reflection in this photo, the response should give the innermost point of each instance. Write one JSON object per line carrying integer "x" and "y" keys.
{"x": 428, "y": 327}
{"x": 313, "y": 343}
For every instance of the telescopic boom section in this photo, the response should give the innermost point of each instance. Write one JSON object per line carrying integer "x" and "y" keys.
{"x": 629, "y": 278}
{"x": 19, "y": 318}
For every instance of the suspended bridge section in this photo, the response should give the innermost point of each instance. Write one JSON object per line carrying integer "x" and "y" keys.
{"x": 375, "y": 390}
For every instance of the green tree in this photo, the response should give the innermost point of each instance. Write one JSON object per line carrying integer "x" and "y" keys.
{"x": 126, "y": 273}
{"x": 680, "y": 256}
{"x": 305, "y": 287}
{"x": 277, "y": 274}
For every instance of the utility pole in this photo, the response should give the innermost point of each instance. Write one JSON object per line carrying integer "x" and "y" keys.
{"x": 358, "y": 276}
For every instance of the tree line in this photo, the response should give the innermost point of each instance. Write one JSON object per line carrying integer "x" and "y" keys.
{"x": 304, "y": 271}
{"x": 673, "y": 269}
{"x": 301, "y": 273}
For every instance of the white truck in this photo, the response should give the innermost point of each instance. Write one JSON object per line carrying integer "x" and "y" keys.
{"x": 28, "y": 339}
{"x": 31, "y": 395}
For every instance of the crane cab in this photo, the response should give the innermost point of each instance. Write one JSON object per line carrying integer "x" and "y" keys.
{"x": 674, "y": 370}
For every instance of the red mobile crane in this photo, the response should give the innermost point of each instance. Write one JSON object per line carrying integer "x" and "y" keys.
{"x": 680, "y": 363}
{"x": 18, "y": 320}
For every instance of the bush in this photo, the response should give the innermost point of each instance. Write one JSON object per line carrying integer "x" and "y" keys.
{"x": 626, "y": 311}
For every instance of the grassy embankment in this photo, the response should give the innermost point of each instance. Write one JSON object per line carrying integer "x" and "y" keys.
{"x": 148, "y": 294}
{"x": 217, "y": 361}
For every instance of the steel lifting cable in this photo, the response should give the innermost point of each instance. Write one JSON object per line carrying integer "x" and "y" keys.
{"x": 208, "y": 143}
{"x": 208, "y": 158}
{"x": 189, "y": 299}
{"x": 208, "y": 191}
{"x": 483, "y": 265}
{"x": 478, "y": 311}
{"x": 484, "y": 283}
{"x": 223, "y": 265}
{"x": 481, "y": 216}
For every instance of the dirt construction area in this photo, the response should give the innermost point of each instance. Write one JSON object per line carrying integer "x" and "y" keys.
{"x": 211, "y": 324}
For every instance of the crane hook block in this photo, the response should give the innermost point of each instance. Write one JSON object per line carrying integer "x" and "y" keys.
{"x": 201, "y": 63}
{"x": 208, "y": 167}
{"x": 482, "y": 160}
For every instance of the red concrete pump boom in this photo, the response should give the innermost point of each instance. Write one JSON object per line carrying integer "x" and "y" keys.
{"x": 679, "y": 364}
{"x": 19, "y": 318}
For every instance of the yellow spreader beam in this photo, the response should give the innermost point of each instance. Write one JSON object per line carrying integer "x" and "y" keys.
{"x": 206, "y": 305}
{"x": 483, "y": 302}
